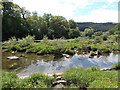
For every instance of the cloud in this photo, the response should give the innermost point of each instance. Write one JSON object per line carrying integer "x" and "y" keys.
{"x": 64, "y": 8}
{"x": 100, "y": 15}
{"x": 111, "y": 3}
{"x": 67, "y": 8}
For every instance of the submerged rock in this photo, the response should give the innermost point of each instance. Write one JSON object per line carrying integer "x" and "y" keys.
{"x": 13, "y": 57}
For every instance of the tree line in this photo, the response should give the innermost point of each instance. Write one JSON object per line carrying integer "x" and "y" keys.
{"x": 18, "y": 22}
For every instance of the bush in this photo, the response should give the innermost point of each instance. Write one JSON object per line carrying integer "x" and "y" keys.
{"x": 36, "y": 80}
{"x": 9, "y": 80}
{"x": 116, "y": 65}
{"x": 92, "y": 53}
{"x": 26, "y": 41}
{"x": 79, "y": 77}
{"x": 94, "y": 68}
{"x": 70, "y": 52}
{"x": 104, "y": 83}
{"x": 82, "y": 78}
{"x": 106, "y": 50}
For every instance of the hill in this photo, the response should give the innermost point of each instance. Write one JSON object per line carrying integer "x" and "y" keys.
{"x": 97, "y": 26}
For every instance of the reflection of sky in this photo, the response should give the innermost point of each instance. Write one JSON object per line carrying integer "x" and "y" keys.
{"x": 75, "y": 61}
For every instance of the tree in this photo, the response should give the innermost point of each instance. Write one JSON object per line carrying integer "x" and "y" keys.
{"x": 72, "y": 24}
{"x": 59, "y": 25}
{"x": 73, "y": 33}
{"x": 89, "y": 32}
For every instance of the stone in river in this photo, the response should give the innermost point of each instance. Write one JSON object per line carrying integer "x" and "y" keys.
{"x": 13, "y": 57}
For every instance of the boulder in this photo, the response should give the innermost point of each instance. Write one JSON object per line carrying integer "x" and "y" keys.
{"x": 13, "y": 57}
{"x": 59, "y": 78}
{"x": 59, "y": 82}
{"x": 66, "y": 55}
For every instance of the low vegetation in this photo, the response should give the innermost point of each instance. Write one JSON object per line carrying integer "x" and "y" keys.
{"x": 60, "y": 46}
{"x": 91, "y": 78}
{"x": 36, "y": 80}
{"x": 116, "y": 66}
{"x": 75, "y": 77}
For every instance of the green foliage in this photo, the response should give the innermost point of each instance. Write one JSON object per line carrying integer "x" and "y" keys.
{"x": 19, "y": 22}
{"x": 82, "y": 78}
{"x": 89, "y": 32}
{"x": 36, "y": 80}
{"x": 94, "y": 68}
{"x": 116, "y": 65}
{"x": 9, "y": 80}
{"x": 47, "y": 46}
{"x": 104, "y": 83}
{"x": 70, "y": 52}
{"x": 26, "y": 41}
{"x": 92, "y": 53}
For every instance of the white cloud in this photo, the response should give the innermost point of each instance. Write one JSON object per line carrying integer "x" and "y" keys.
{"x": 67, "y": 9}
{"x": 64, "y": 8}
{"x": 110, "y": 4}
{"x": 100, "y": 15}
{"x": 111, "y": 1}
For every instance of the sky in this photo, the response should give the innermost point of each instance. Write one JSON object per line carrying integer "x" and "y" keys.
{"x": 78, "y": 10}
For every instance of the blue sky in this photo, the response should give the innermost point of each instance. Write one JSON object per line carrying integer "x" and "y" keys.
{"x": 78, "y": 10}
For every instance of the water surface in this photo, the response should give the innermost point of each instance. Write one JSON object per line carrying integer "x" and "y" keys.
{"x": 33, "y": 63}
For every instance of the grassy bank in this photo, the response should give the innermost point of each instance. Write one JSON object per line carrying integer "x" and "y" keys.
{"x": 75, "y": 78}
{"x": 47, "y": 46}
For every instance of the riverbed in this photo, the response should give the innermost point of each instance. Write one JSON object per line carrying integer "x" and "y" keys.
{"x": 47, "y": 64}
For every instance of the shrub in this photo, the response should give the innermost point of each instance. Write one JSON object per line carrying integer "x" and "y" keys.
{"x": 36, "y": 80}
{"x": 82, "y": 78}
{"x": 94, "y": 68}
{"x": 9, "y": 80}
{"x": 116, "y": 65}
{"x": 92, "y": 53}
{"x": 78, "y": 77}
{"x": 106, "y": 50}
{"x": 104, "y": 83}
{"x": 70, "y": 52}
{"x": 26, "y": 41}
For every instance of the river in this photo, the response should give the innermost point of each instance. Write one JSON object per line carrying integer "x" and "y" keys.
{"x": 33, "y": 63}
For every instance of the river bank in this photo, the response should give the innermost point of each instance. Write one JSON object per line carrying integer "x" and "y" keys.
{"x": 60, "y": 46}
{"x": 70, "y": 78}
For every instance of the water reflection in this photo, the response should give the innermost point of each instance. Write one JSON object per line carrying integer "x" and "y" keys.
{"x": 34, "y": 63}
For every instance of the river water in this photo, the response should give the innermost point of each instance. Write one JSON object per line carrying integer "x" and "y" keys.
{"x": 33, "y": 63}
